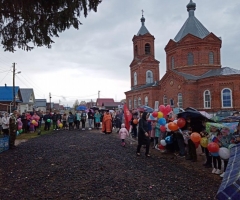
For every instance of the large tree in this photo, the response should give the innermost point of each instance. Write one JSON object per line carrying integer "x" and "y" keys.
{"x": 28, "y": 23}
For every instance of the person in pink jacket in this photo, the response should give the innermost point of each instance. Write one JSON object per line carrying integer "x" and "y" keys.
{"x": 123, "y": 133}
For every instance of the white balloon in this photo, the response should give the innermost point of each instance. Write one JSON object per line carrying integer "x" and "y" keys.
{"x": 224, "y": 153}
{"x": 175, "y": 121}
{"x": 168, "y": 130}
{"x": 163, "y": 143}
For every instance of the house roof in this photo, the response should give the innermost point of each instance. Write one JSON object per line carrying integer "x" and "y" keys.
{"x": 224, "y": 71}
{"x": 103, "y": 101}
{"x": 192, "y": 25}
{"x": 112, "y": 104}
{"x": 40, "y": 103}
{"x": 143, "y": 30}
{"x": 7, "y": 93}
{"x": 145, "y": 86}
{"x": 26, "y": 94}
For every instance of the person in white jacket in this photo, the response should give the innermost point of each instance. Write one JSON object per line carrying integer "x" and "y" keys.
{"x": 5, "y": 124}
{"x": 123, "y": 133}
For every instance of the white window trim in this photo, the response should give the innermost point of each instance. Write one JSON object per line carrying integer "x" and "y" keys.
{"x": 204, "y": 100}
{"x": 139, "y": 100}
{"x": 164, "y": 100}
{"x": 146, "y": 102}
{"x": 222, "y": 97}
{"x": 147, "y": 76}
{"x": 178, "y": 100}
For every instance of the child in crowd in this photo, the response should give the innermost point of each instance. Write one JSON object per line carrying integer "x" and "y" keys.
{"x": 123, "y": 133}
{"x": 225, "y": 141}
{"x": 31, "y": 128}
{"x": 217, "y": 163}
{"x": 152, "y": 133}
{"x": 157, "y": 135}
{"x": 64, "y": 120}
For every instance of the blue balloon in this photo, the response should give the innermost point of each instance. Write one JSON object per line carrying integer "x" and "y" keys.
{"x": 169, "y": 140}
{"x": 162, "y": 121}
{"x": 215, "y": 154}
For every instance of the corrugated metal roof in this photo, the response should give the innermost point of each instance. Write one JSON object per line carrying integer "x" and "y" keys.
{"x": 40, "y": 103}
{"x": 143, "y": 30}
{"x": 26, "y": 94}
{"x": 192, "y": 25}
{"x": 224, "y": 71}
{"x": 6, "y": 93}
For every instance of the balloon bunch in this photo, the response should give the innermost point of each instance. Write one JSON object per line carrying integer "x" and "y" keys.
{"x": 175, "y": 125}
{"x": 34, "y": 122}
{"x": 20, "y": 124}
{"x": 60, "y": 125}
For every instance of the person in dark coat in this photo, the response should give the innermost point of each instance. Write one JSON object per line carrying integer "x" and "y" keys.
{"x": 143, "y": 136}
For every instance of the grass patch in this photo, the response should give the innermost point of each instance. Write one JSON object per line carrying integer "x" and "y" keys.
{"x": 28, "y": 136}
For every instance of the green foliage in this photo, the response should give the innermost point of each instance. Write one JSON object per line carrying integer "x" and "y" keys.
{"x": 28, "y": 23}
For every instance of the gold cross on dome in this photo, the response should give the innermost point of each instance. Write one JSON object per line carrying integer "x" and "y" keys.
{"x": 142, "y": 12}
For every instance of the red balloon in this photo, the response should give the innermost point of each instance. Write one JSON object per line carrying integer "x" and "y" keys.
{"x": 181, "y": 122}
{"x": 155, "y": 114}
{"x": 161, "y": 147}
{"x": 172, "y": 126}
{"x": 168, "y": 109}
{"x": 213, "y": 147}
{"x": 162, "y": 108}
{"x": 195, "y": 137}
{"x": 196, "y": 144}
{"x": 162, "y": 128}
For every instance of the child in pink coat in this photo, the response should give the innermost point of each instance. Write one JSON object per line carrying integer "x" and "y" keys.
{"x": 123, "y": 133}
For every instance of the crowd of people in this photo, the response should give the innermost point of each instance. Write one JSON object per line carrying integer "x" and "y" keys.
{"x": 148, "y": 132}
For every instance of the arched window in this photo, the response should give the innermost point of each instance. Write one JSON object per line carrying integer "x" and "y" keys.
{"x": 211, "y": 58}
{"x": 180, "y": 100}
{"x": 146, "y": 101}
{"x": 165, "y": 100}
{"x": 147, "y": 49}
{"x": 172, "y": 63}
{"x": 226, "y": 97}
{"x": 139, "y": 101}
{"x": 135, "y": 103}
{"x": 149, "y": 77}
{"x": 130, "y": 104}
{"x": 207, "y": 99}
{"x": 136, "y": 50}
{"x": 190, "y": 59}
{"x": 135, "y": 78}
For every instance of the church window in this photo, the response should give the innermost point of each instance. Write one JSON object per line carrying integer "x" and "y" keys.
{"x": 165, "y": 103}
{"x": 190, "y": 59}
{"x": 172, "y": 62}
{"x": 130, "y": 104}
{"x": 135, "y": 103}
{"x": 226, "y": 98}
{"x": 136, "y": 50}
{"x": 211, "y": 58}
{"x": 149, "y": 77}
{"x": 180, "y": 100}
{"x": 135, "y": 78}
{"x": 146, "y": 101}
{"x": 147, "y": 49}
{"x": 139, "y": 101}
{"x": 207, "y": 99}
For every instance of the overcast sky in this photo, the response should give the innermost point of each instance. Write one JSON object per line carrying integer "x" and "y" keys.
{"x": 97, "y": 56}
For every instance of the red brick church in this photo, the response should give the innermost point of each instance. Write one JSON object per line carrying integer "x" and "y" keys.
{"x": 194, "y": 76}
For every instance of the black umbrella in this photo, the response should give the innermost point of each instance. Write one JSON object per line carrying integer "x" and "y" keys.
{"x": 94, "y": 108}
{"x": 193, "y": 114}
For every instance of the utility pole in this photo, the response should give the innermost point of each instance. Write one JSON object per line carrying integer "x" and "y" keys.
{"x": 50, "y": 97}
{"x": 14, "y": 100}
{"x": 98, "y": 94}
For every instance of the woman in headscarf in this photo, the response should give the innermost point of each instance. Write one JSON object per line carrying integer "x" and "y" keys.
{"x": 143, "y": 137}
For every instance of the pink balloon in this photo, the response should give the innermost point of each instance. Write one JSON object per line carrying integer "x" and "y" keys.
{"x": 162, "y": 108}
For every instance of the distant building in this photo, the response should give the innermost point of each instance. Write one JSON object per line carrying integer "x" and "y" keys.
{"x": 194, "y": 74}
{"x": 6, "y": 98}
{"x": 28, "y": 100}
{"x": 40, "y": 105}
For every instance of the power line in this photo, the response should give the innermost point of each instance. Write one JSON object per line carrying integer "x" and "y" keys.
{"x": 4, "y": 77}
